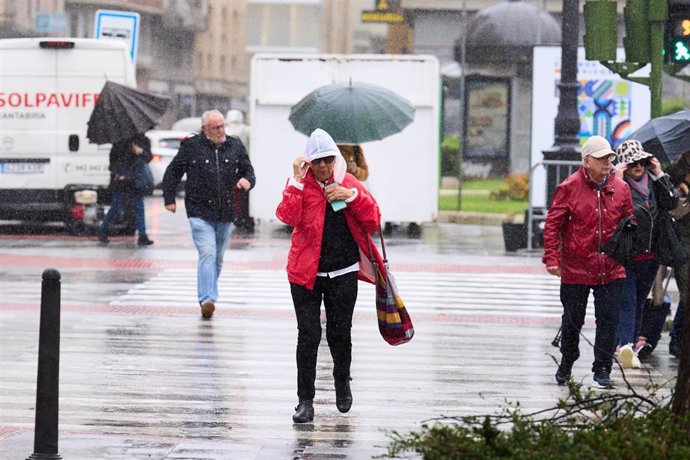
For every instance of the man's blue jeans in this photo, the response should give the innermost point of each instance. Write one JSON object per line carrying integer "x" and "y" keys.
{"x": 118, "y": 201}
{"x": 211, "y": 240}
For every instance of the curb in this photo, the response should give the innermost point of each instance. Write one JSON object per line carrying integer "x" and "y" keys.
{"x": 476, "y": 218}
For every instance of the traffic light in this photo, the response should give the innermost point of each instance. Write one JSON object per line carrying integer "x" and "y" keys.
{"x": 677, "y": 32}
{"x": 636, "y": 40}
{"x": 600, "y": 30}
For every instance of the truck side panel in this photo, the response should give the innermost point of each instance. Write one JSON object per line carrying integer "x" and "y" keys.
{"x": 46, "y": 98}
{"x": 403, "y": 168}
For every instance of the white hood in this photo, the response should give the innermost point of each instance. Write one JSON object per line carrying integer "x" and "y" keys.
{"x": 321, "y": 144}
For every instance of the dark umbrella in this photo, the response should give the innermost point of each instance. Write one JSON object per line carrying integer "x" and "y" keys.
{"x": 122, "y": 112}
{"x": 352, "y": 112}
{"x": 666, "y": 137}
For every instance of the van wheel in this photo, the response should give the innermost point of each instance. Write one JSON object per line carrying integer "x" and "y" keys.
{"x": 414, "y": 230}
{"x": 75, "y": 227}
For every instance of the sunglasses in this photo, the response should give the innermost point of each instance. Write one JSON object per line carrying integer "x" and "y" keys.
{"x": 637, "y": 163}
{"x": 328, "y": 160}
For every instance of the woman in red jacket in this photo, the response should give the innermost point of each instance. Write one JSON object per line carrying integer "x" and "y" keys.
{"x": 333, "y": 216}
{"x": 586, "y": 209}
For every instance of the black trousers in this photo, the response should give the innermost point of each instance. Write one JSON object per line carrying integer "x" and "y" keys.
{"x": 606, "y": 304}
{"x": 339, "y": 295}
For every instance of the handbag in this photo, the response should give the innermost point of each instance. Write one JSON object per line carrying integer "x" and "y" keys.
{"x": 669, "y": 249}
{"x": 143, "y": 178}
{"x": 621, "y": 246}
{"x": 395, "y": 324}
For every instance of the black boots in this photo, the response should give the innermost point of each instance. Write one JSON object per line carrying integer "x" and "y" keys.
{"x": 563, "y": 373}
{"x": 304, "y": 412}
{"x": 144, "y": 241}
{"x": 343, "y": 395}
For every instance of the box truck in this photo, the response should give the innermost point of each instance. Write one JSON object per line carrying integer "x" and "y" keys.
{"x": 403, "y": 168}
{"x": 49, "y": 171}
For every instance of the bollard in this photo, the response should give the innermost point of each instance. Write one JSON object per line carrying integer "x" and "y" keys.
{"x": 47, "y": 387}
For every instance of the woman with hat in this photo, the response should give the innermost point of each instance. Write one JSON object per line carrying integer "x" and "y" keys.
{"x": 652, "y": 193}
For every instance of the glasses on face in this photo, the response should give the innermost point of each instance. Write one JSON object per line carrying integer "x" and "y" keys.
{"x": 637, "y": 163}
{"x": 328, "y": 160}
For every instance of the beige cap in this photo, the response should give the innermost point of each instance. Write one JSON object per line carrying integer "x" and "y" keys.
{"x": 597, "y": 147}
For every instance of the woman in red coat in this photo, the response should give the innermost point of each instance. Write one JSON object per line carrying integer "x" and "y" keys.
{"x": 333, "y": 216}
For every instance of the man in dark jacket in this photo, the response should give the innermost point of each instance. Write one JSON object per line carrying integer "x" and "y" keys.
{"x": 586, "y": 209}
{"x": 214, "y": 164}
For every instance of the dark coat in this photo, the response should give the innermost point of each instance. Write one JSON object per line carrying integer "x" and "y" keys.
{"x": 664, "y": 198}
{"x": 123, "y": 163}
{"x": 212, "y": 174}
{"x": 579, "y": 223}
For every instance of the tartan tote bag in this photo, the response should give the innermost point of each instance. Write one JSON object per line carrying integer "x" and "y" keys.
{"x": 395, "y": 324}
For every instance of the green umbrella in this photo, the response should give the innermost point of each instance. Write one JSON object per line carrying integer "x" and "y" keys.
{"x": 352, "y": 112}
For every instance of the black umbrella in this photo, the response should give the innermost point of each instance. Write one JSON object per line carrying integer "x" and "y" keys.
{"x": 122, "y": 112}
{"x": 666, "y": 137}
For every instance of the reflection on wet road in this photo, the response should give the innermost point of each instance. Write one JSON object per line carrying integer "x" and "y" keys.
{"x": 142, "y": 376}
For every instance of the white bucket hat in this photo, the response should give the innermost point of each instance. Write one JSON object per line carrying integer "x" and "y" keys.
{"x": 631, "y": 151}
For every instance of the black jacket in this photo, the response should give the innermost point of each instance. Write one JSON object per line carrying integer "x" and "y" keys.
{"x": 212, "y": 174}
{"x": 663, "y": 198}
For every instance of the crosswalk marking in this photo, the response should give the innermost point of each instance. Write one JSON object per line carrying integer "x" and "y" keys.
{"x": 448, "y": 293}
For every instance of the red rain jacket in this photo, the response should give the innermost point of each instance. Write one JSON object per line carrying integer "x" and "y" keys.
{"x": 305, "y": 210}
{"x": 579, "y": 223}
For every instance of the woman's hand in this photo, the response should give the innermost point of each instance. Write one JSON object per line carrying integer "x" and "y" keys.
{"x": 619, "y": 170}
{"x": 337, "y": 192}
{"x": 299, "y": 168}
{"x": 655, "y": 166}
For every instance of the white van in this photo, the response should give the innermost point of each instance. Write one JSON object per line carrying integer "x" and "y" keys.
{"x": 48, "y": 88}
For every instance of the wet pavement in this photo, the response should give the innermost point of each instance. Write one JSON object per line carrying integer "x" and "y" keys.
{"x": 142, "y": 376}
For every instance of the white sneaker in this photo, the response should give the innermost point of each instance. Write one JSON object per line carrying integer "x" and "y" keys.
{"x": 636, "y": 364}
{"x": 627, "y": 356}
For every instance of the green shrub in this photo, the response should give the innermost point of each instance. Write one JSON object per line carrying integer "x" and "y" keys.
{"x": 673, "y": 105}
{"x": 450, "y": 155}
{"x": 516, "y": 188}
{"x": 587, "y": 424}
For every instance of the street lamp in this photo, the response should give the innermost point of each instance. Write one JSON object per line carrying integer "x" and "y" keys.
{"x": 566, "y": 147}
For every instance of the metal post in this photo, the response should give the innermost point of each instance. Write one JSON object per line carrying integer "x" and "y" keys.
{"x": 463, "y": 62}
{"x": 47, "y": 387}
{"x": 566, "y": 146}
{"x": 656, "y": 59}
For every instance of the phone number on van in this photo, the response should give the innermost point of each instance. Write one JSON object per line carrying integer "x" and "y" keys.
{"x": 22, "y": 168}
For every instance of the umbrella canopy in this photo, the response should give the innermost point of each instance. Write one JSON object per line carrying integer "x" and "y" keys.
{"x": 352, "y": 112}
{"x": 122, "y": 112}
{"x": 666, "y": 137}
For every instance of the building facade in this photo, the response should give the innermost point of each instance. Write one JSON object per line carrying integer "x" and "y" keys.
{"x": 197, "y": 52}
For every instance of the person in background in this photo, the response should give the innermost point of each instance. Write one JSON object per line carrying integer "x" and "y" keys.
{"x": 354, "y": 158}
{"x": 123, "y": 163}
{"x": 652, "y": 193}
{"x": 235, "y": 126}
{"x": 331, "y": 249}
{"x": 680, "y": 177}
{"x": 215, "y": 164}
{"x": 587, "y": 207}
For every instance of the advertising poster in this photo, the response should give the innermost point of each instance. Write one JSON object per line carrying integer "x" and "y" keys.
{"x": 486, "y": 119}
{"x": 608, "y": 106}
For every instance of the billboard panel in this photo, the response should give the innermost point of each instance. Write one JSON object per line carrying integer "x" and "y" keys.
{"x": 608, "y": 106}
